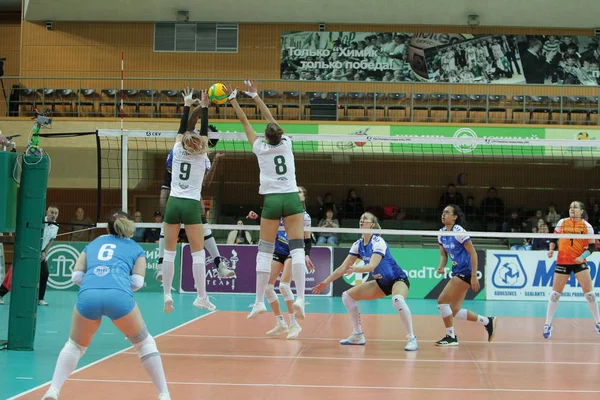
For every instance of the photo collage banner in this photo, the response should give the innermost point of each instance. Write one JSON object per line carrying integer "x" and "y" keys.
{"x": 440, "y": 58}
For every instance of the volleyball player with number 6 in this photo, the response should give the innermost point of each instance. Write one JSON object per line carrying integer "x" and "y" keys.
{"x": 108, "y": 271}
{"x": 280, "y": 191}
{"x": 183, "y": 206}
{"x": 572, "y": 254}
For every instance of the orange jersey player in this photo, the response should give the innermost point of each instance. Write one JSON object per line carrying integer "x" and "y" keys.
{"x": 572, "y": 254}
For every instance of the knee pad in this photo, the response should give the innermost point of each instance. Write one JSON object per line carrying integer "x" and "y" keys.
{"x": 590, "y": 297}
{"x": 399, "y": 302}
{"x": 263, "y": 262}
{"x": 144, "y": 345}
{"x": 270, "y": 294}
{"x": 169, "y": 256}
{"x": 445, "y": 310}
{"x": 199, "y": 257}
{"x": 298, "y": 256}
{"x": 348, "y": 301}
{"x": 266, "y": 247}
{"x": 296, "y": 244}
{"x": 461, "y": 314}
{"x": 286, "y": 291}
{"x": 207, "y": 232}
{"x": 73, "y": 348}
{"x": 554, "y": 296}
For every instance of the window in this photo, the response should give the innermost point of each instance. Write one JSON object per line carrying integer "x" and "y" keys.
{"x": 196, "y": 37}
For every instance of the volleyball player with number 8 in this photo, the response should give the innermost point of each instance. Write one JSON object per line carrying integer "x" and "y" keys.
{"x": 183, "y": 206}
{"x": 280, "y": 191}
{"x": 571, "y": 258}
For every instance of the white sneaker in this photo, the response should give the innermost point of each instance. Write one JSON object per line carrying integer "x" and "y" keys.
{"x": 164, "y": 396}
{"x": 1, "y": 301}
{"x": 597, "y": 326}
{"x": 225, "y": 272}
{"x": 257, "y": 309}
{"x": 42, "y": 303}
{"x": 278, "y": 330}
{"x": 411, "y": 345}
{"x": 168, "y": 307}
{"x": 355, "y": 338}
{"x": 299, "y": 308}
{"x": 51, "y": 394}
{"x": 294, "y": 332}
{"x": 204, "y": 303}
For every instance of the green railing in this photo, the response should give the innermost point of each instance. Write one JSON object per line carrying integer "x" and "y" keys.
{"x": 312, "y": 100}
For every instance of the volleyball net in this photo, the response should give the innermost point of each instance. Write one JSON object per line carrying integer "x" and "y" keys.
{"x": 403, "y": 180}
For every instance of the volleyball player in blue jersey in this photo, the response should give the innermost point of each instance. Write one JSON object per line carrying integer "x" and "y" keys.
{"x": 109, "y": 270}
{"x": 464, "y": 276}
{"x": 389, "y": 279}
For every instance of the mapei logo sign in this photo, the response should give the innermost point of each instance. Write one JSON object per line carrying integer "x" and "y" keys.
{"x": 509, "y": 272}
{"x": 61, "y": 260}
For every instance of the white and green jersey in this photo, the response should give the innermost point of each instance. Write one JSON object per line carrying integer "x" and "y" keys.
{"x": 277, "y": 166}
{"x": 187, "y": 173}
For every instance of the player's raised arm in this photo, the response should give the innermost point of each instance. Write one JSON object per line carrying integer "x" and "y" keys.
{"x": 232, "y": 93}
{"x": 253, "y": 93}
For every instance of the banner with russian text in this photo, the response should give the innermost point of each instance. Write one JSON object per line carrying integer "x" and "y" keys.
{"x": 440, "y": 57}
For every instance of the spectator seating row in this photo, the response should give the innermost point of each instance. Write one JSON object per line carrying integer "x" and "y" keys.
{"x": 289, "y": 105}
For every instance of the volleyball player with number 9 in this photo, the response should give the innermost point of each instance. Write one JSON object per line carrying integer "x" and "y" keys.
{"x": 108, "y": 271}
{"x": 571, "y": 258}
{"x": 183, "y": 206}
{"x": 280, "y": 191}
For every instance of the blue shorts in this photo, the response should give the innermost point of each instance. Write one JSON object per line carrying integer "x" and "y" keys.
{"x": 95, "y": 303}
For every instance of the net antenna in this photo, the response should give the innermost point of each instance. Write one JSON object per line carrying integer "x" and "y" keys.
{"x": 124, "y": 139}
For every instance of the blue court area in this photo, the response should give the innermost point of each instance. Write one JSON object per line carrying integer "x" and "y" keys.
{"x": 25, "y": 370}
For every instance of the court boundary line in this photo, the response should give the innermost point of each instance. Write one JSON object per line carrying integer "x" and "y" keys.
{"x": 299, "y": 357}
{"x": 111, "y": 355}
{"x": 548, "y": 342}
{"x": 405, "y": 388}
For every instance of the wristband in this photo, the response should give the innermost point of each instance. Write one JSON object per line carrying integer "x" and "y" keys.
{"x": 307, "y": 246}
{"x": 233, "y": 95}
{"x": 585, "y": 254}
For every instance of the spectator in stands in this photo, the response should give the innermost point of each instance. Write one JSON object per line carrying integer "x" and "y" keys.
{"x": 539, "y": 214}
{"x": 328, "y": 222}
{"x": 514, "y": 223}
{"x": 492, "y": 208}
{"x": 594, "y": 217}
{"x": 353, "y": 205}
{"x": 471, "y": 212}
{"x": 152, "y": 235}
{"x": 239, "y": 236}
{"x": 552, "y": 217}
{"x": 451, "y": 197}
{"x": 327, "y": 203}
{"x": 138, "y": 236}
{"x": 81, "y": 227}
{"x": 50, "y": 232}
{"x": 541, "y": 243}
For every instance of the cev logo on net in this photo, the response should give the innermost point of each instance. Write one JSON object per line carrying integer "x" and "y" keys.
{"x": 61, "y": 260}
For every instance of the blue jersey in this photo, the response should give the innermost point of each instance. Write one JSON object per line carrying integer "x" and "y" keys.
{"x": 282, "y": 243}
{"x": 110, "y": 260}
{"x": 388, "y": 271}
{"x": 169, "y": 162}
{"x": 455, "y": 248}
